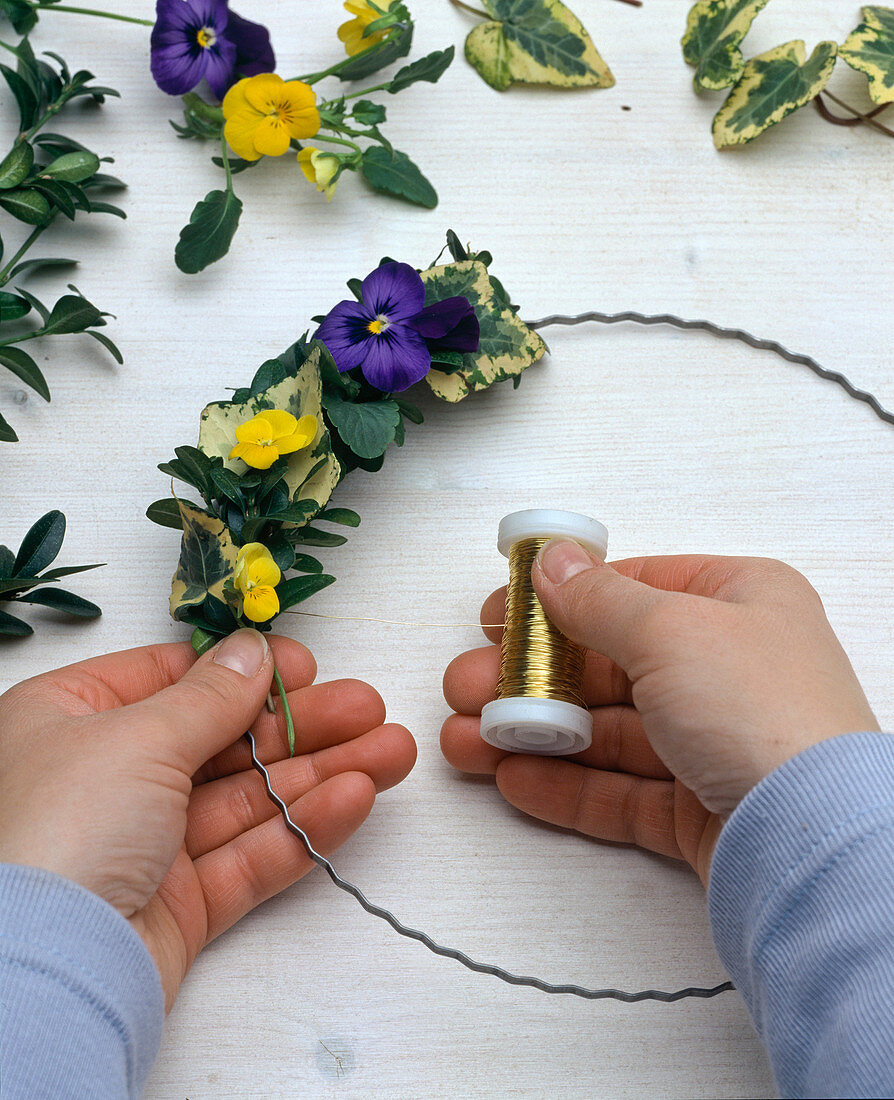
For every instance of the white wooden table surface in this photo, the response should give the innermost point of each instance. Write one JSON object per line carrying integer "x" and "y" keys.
{"x": 675, "y": 441}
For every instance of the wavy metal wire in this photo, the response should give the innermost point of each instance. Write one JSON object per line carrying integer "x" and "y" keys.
{"x": 452, "y": 952}
{"x": 723, "y": 334}
{"x": 460, "y": 956}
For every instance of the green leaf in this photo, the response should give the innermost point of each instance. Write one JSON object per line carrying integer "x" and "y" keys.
{"x": 16, "y": 165}
{"x": 772, "y": 85}
{"x": 870, "y": 49}
{"x": 36, "y": 303}
{"x": 366, "y": 113}
{"x": 207, "y": 238}
{"x": 408, "y": 411}
{"x": 28, "y": 206}
{"x": 395, "y": 174}
{"x": 714, "y": 31}
{"x": 23, "y": 366}
{"x": 299, "y": 511}
{"x": 207, "y": 560}
{"x": 108, "y": 208}
{"x": 431, "y": 68}
{"x": 227, "y": 483}
{"x": 297, "y": 589}
{"x": 40, "y": 545}
{"x": 307, "y": 564}
{"x": 25, "y": 97}
{"x": 506, "y": 345}
{"x": 111, "y": 347}
{"x": 68, "y": 570}
{"x": 7, "y": 435}
{"x": 366, "y": 427}
{"x": 57, "y": 195}
{"x": 60, "y": 600}
{"x": 313, "y": 536}
{"x": 7, "y": 562}
{"x": 72, "y": 313}
{"x": 73, "y": 167}
{"x": 38, "y": 263}
{"x": 23, "y": 18}
{"x": 395, "y": 46}
{"x": 345, "y": 516}
{"x": 166, "y": 513}
{"x": 13, "y": 626}
{"x": 12, "y": 307}
{"x": 535, "y": 42}
{"x": 281, "y": 551}
{"x": 312, "y": 472}
{"x": 198, "y": 466}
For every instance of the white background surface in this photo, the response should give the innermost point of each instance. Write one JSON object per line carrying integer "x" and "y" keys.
{"x": 676, "y": 442}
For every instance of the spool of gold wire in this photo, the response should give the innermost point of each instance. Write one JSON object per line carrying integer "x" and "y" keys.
{"x": 540, "y": 705}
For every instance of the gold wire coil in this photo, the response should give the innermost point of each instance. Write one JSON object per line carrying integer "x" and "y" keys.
{"x": 536, "y": 659}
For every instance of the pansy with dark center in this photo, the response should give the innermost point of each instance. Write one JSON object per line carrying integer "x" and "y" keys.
{"x": 390, "y": 333}
{"x": 196, "y": 40}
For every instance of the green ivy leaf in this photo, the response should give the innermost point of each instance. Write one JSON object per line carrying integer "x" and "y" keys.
{"x": 297, "y": 589}
{"x": 714, "y": 31}
{"x": 506, "y": 345}
{"x": 207, "y": 238}
{"x": 365, "y": 427}
{"x": 40, "y": 545}
{"x": 207, "y": 560}
{"x": 535, "y": 42}
{"x": 431, "y": 68}
{"x": 772, "y": 85}
{"x": 23, "y": 366}
{"x": 16, "y": 165}
{"x": 870, "y": 49}
{"x": 27, "y": 205}
{"x": 395, "y": 174}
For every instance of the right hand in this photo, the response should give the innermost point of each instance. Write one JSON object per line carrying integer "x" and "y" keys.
{"x": 706, "y": 673}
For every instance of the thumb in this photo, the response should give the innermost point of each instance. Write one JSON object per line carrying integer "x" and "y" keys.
{"x": 213, "y": 704}
{"x": 591, "y": 603}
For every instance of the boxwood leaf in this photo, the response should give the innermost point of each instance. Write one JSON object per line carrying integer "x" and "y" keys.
{"x": 366, "y": 427}
{"x": 345, "y": 516}
{"x": 28, "y": 206}
{"x": 870, "y": 49}
{"x": 297, "y": 589}
{"x": 24, "y": 95}
{"x": 506, "y": 345}
{"x": 395, "y": 174}
{"x": 60, "y": 600}
{"x": 106, "y": 343}
{"x": 73, "y": 167}
{"x": 72, "y": 313}
{"x": 212, "y": 226}
{"x": 40, "y": 262}
{"x": 23, "y": 366}
{"x": 714, "y": 31}
{"x": 307, "y": 564}
{"x": 7, "y": 435}
{"x": 57, "y": 195}
{"x": 431, "y": 68}
{"x": 7, "y": 561}
{"x": 227, "y": 483}
{"x": 13, "y": 626}
{"x": 40, "y": 545}
{"x": 16, "y": 165}
{"x": 772, "y": 85}
{"x": 313, "y": 536}
{"x": 68, "y": 570}
{"x": 13, "y": 307}
{"x": 166, "y": 513}
{"x": 535, "y": 42}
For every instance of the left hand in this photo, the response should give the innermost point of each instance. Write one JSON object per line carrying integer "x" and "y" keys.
{"x": 126, "y": 774}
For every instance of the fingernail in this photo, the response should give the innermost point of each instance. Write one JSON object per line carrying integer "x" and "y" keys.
{"x": 561, "y": 559}
{"x": 243, "y": 652}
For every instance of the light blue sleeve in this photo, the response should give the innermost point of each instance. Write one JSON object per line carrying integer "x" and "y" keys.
{"x": 81, "y": 1003}
{"x": 801, "y": 900}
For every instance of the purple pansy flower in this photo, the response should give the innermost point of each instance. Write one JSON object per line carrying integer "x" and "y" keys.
{"x": 390, "y": 334}
{"x": 196, "y": 40}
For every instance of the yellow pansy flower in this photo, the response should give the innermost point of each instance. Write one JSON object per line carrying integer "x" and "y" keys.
{"x": 319, "y": 168}
{"x": 273, "y": 432}
{"x": 256, "y": 576}
{"x": 264, "y": 112}
{"x": 351, "y": 33}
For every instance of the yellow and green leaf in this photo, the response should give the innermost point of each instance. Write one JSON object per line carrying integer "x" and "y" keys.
{"x": 535, "y": 42}
{"x": 207, "y": 560}
{"x": 870, "y": 50}
{"x": 772, "y": 85}
{"x": 311, "y": 473}
{"x": 506, "y": 345}
{"x": 714, "y": 31}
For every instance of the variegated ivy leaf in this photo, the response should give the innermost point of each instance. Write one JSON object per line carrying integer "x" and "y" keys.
{"x": 207, "y": 560}
{"x": 311, "y": 473}
{"x": 714, "y": 32}
{"x": 535, "y": 42}
{"x": 506, "y": 344}
{"x": 772, "y": 85}
{"x": 870, "y": 49}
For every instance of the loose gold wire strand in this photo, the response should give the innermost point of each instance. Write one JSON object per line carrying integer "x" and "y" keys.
{"x": 536, "y": 659}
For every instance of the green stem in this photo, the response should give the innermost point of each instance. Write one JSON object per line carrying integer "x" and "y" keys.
{"x": 226, "y": 162}
{"x": 356, "y": 95}
{"x": 20, "y": 339}
{"x": 312, "y": 78}
{"x": 467, "y": 7}
{"x": 337, "y": 141}
{"x": 53, "y": 109}
{"x": 90, "y": 11}
{"x": 30, "y": 239}
{"x": 290, "y": 726}
{"x": 868, "y": 119}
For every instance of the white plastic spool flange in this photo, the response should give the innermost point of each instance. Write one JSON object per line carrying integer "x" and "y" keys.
{"x": 548, "y": 727}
